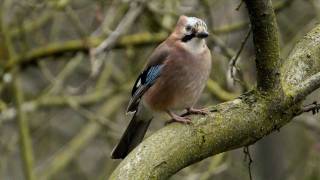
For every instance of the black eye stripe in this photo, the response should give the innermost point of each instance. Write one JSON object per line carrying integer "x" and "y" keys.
{"x": 188, "y": 37}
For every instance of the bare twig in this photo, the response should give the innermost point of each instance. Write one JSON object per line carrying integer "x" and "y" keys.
{"x": 25, "y": 139}
{"x": 247, "y": 156}
{"x": 313, "y": 107}
{"x": 235, "y": 58}
{"x": 66, "y": 71}
{"x": 55, "y": 101}
{"x": 239, "y": 6}
{"x": 128, "y": 19}
{"x": 71, "y": 14}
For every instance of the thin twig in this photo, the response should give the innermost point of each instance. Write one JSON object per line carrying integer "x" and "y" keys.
{"x": 314, "y": 107}
{"x": 239, "y": 6}
{"x": 127, "y": 21}
{"x": 235, "y": 58}
{"x": 55, "y": 101}
{"x": 25, "y": 139}
{"x": 247, "y": 155}
{"x": 76, "y": 22}
{"x": 65, "y": 72}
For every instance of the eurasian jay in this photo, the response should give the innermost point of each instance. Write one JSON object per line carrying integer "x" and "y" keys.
{"x": 173, "y": 79}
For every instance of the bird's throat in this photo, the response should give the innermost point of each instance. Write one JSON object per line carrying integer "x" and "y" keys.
{"x": 195, "y": 45}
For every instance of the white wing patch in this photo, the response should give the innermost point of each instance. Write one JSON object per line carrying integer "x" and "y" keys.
{"x": 138, "y": 83}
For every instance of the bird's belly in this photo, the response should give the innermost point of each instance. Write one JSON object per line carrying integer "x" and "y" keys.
{"x": 187, "y": 93}
{"x": 177, "y": 90}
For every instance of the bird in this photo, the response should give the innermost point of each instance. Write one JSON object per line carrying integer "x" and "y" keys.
{"x": 173, "y": 79}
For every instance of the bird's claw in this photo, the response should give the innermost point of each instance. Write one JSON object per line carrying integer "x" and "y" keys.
{"x": 179, "y": 119}
{"x": 203, "y": 111}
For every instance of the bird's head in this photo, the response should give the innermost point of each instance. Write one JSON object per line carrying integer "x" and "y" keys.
{"x": 189, "y": 28}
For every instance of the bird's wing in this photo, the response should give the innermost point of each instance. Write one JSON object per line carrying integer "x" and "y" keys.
{"x": 148, "y": 76}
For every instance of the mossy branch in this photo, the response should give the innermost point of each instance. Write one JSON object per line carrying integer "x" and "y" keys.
{"x": 56, "y": 49}
{"x": 266, "y": 42}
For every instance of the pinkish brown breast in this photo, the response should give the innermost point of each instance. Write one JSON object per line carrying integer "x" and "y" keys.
{"x": 181, "y": 82}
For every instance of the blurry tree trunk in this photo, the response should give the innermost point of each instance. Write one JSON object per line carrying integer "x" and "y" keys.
{"x": 280, "y": 89}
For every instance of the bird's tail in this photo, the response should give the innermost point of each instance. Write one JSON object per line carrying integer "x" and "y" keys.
{"x": 133, "y": 135}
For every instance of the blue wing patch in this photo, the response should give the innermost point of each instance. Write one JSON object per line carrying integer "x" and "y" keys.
{"x": 147, "y": 77}
{"x": 142, "y": 84}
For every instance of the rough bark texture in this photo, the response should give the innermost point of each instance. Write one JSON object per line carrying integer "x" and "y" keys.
{"x": 266, "y": 42}
{"x": 302, "y": 63}
{"x": 242, "y": 121}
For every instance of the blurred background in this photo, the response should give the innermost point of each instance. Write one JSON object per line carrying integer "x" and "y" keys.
{"x": 67, "y": 68}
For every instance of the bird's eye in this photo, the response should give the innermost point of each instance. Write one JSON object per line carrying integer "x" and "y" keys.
{"x": 188, "y": 28}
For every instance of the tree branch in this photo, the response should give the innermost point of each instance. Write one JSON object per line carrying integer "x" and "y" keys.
{"x": 127, "y": 21}
{"x": 232, "y": 125}
{"x": 300, "y": 73}
{"x": 307, "y": 87}
{"x": 136, "y": 8}
{"x": 266, "y": 42}
{"x": 56, "y": 49}
{"x": 25, "y": 139}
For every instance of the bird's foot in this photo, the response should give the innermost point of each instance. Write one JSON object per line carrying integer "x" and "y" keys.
{"x": 203, "y": 111}
{"x": 180, "y": 119}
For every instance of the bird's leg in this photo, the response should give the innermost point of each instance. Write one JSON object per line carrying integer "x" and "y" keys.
{"x": 176, "y": 118}
{"x": 203, "y": 111}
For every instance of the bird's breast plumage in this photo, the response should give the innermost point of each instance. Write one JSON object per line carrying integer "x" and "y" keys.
{"x": 182, "y": 80}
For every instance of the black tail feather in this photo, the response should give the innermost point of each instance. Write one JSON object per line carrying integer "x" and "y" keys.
{"x": 133, "y": 135}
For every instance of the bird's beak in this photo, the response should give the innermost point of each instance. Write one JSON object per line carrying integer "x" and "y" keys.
{"x": 202, "y": 34}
